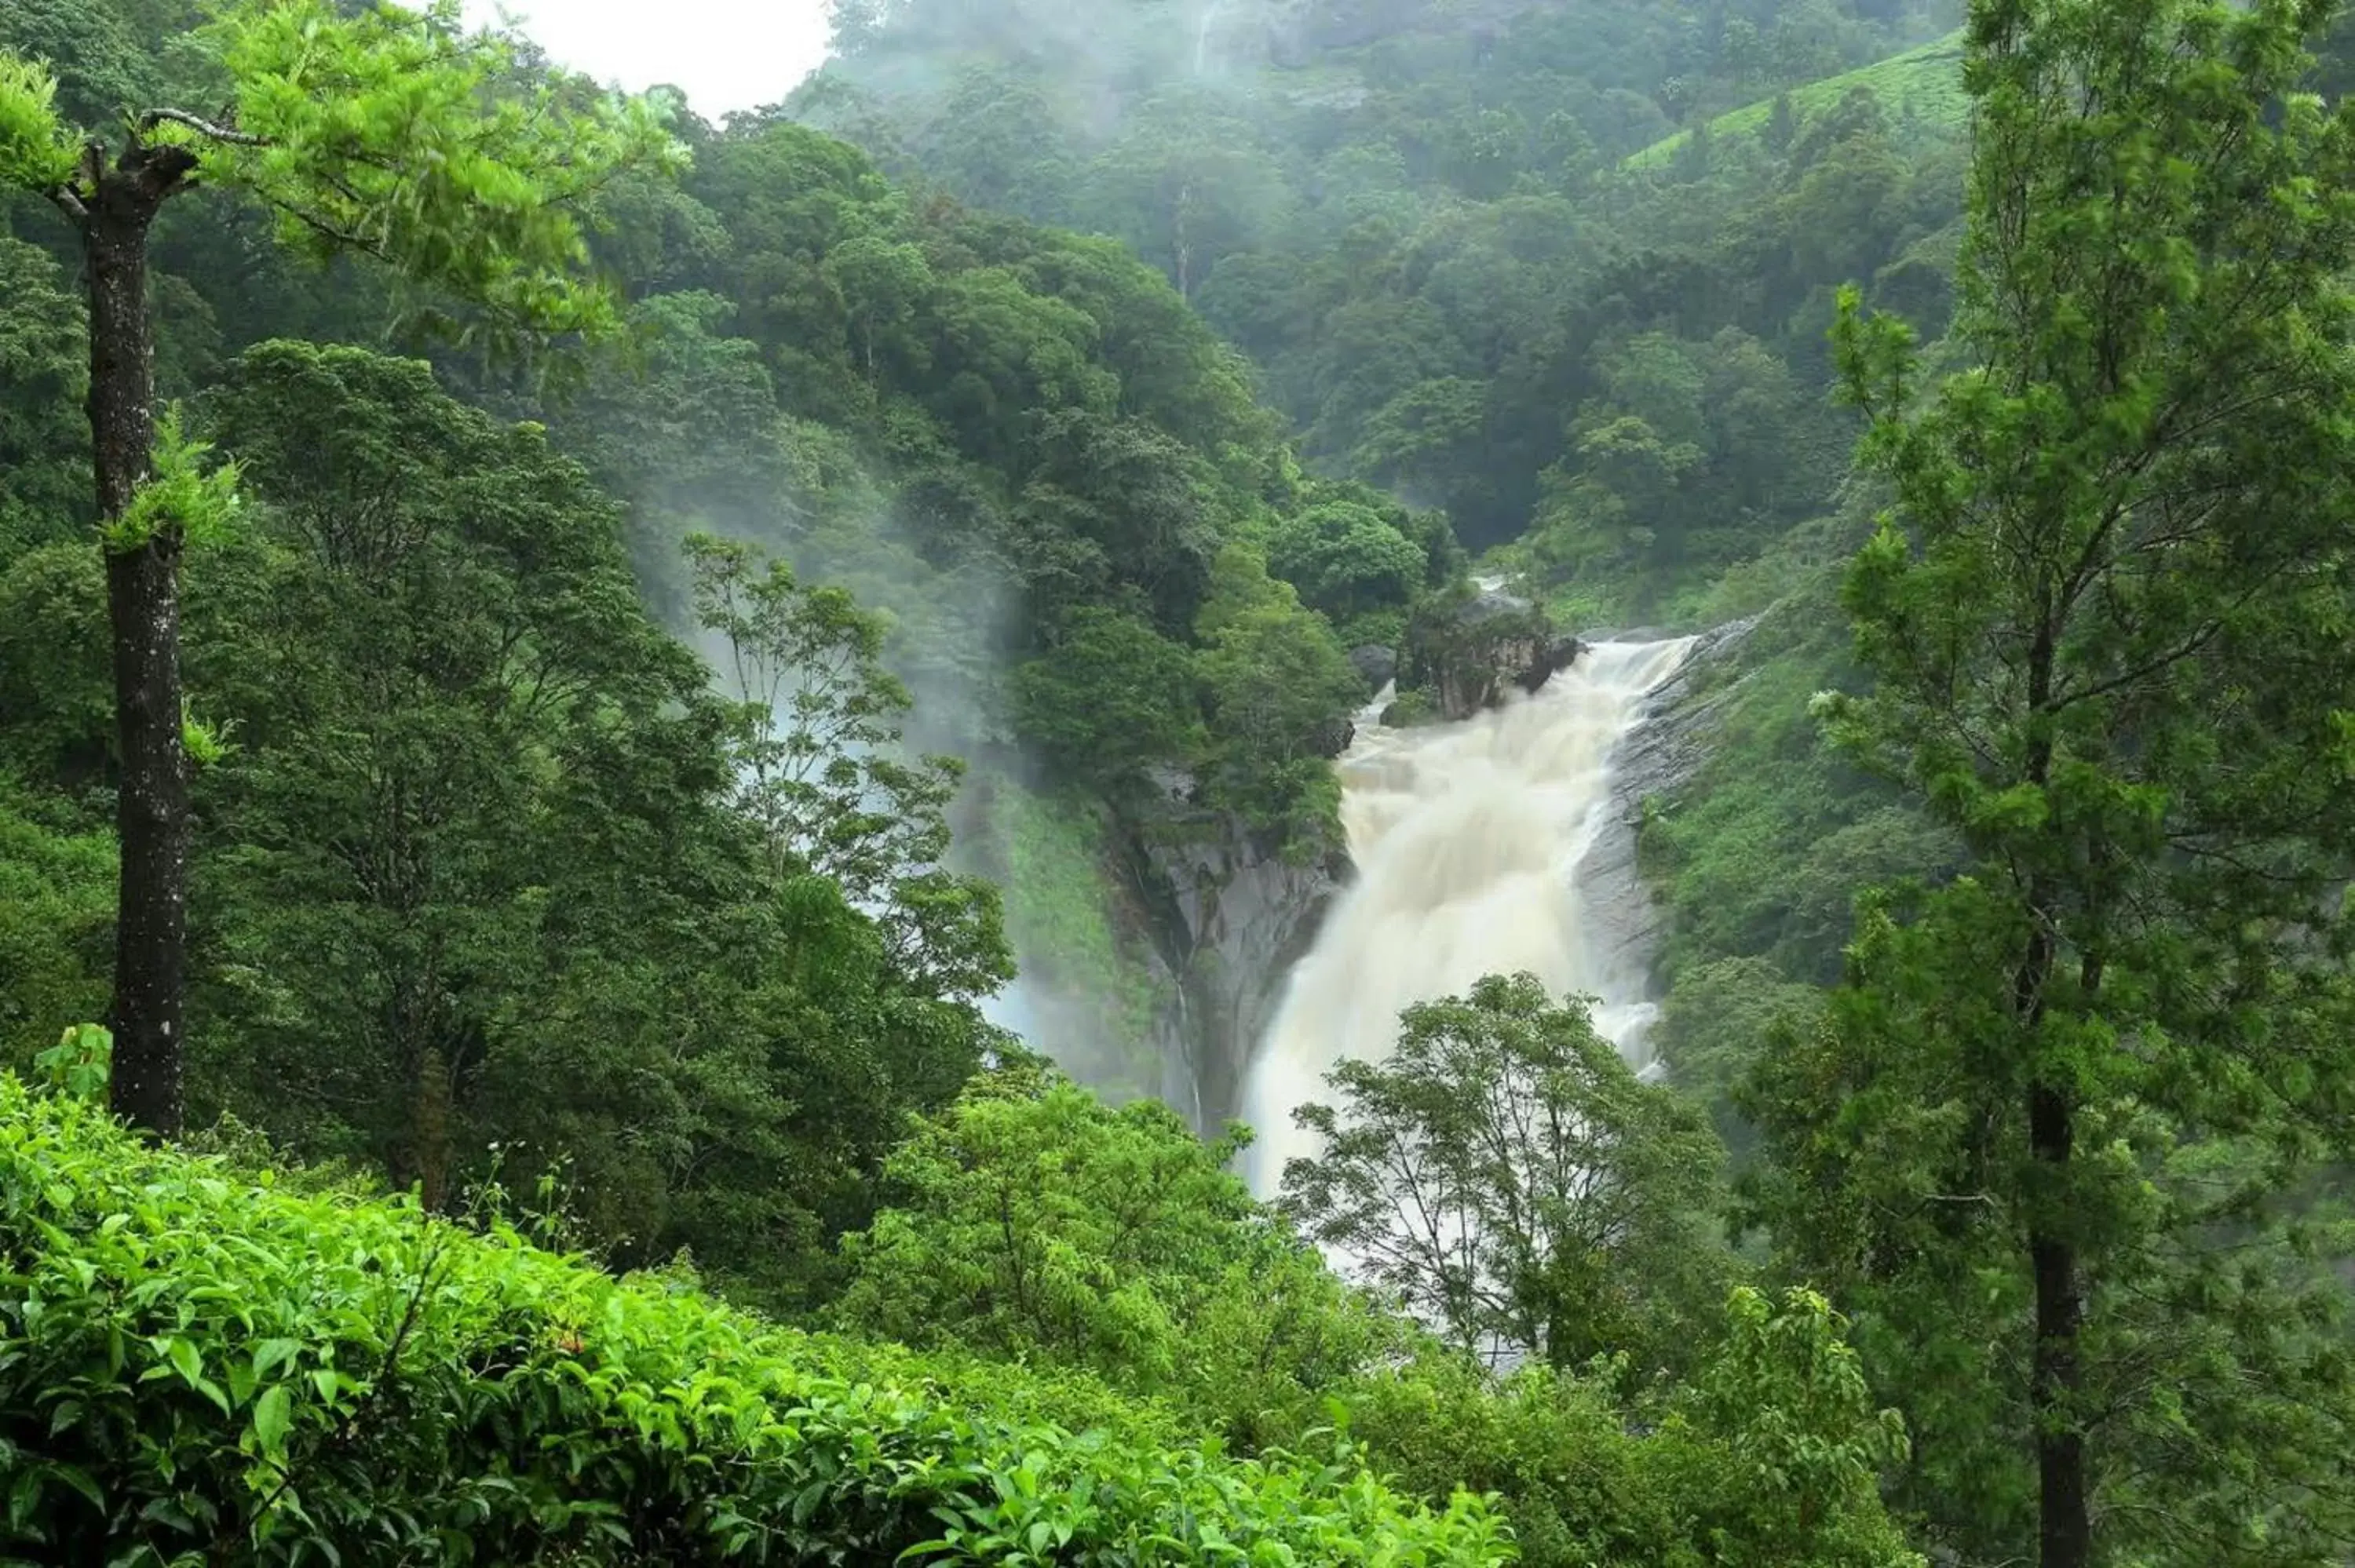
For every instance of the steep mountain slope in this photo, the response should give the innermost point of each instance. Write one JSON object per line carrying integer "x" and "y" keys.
{"x": 1412, "y": 218}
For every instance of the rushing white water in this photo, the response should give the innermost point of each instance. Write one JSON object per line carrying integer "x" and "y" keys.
{"x": 1468, "y": 839}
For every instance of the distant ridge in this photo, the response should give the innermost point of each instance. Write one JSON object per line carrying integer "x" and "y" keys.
{"x": 1923, "y": 84}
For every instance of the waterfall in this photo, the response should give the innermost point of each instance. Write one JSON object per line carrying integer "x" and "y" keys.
{"x": 1202, "y": 26}
{"x": 1467, "y": 839}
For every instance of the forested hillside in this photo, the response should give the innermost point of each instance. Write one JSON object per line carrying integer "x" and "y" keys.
{"x": 1415, "y": 219}
{"x": 658, "y": 772}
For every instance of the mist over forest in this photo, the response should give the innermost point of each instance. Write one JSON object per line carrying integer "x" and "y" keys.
{"x": 1292, "y": 782}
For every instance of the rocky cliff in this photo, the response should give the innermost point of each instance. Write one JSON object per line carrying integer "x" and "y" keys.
{"x": 1228, "y": 915}
{"x": 1659, "y": 756}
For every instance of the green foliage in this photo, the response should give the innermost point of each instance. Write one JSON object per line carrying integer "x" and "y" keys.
{"x": 1507, "y": 1176}
{"x": 1717, "y": 1020}
{"x": 1768, "y": 1457}
{"x": 1764, "y": 853}
{"x": 1079, "y": 938}
{"x": 95, "y": 52}
{"x": 205, "y": 744}
{"x": 1033, "y": 1222}
{"x": 77, "y": 1065}
{"x": 490, "y": 876}
{"x": 431, "y": 627}
{"x": 1111, "y": 699}
{"x": 481, "y": 870}
{"x": 1346, "y": 559}
{"x": 1924, "y": 84}
{"x": 1409, "y": 218}
{"x": 36, "y": 153}
{"x": 393, "y": 132}
{"x": 181, "y": 499}
{"x": 44, "y": 439}
{"x": 1806, "y": 1445}
{"x": 211, "y": 1361}
{"x": 57, "y": 705}
{"x": 1019, "y": 444}
{"x": 57, "y": 921}
{"x": 1277, "y": 684}
{"x": 2099, "y": 1075}
{"x": 817, "y": 743}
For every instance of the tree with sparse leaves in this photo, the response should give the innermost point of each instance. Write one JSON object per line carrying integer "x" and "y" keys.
{"x": 385, "y": 131}
{"x": 821, "y": 772}
{"x": 1509, "y": 1178}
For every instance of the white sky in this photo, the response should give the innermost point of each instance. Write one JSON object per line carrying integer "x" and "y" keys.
{"x": 727, "y": 53}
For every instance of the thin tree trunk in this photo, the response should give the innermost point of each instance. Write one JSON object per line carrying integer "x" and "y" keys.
{"x": 430, "y": 1131}
{"x": 143, "y": 606}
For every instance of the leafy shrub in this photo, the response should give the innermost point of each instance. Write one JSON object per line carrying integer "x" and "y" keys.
{"x": 1766, "y": 1460}
{"x": 195, "y": 1362}
{"x": 1346, "y": 558}
{"x": 1031, "y": 1221}
{"x": 57, "y": 919}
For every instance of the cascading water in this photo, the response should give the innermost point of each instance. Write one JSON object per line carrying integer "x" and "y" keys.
{"x": 1202, "y": 27}
{"x": 1468, "y": 839}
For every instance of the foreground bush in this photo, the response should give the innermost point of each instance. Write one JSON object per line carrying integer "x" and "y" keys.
{"x": 1032, "y": 1222}
{"x": 195, "y": 1362}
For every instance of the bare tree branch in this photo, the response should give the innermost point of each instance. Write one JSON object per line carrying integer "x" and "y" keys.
{"x": 202, "y": 127}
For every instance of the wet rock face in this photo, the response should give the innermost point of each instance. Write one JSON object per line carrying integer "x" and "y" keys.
{"x": 1557, "y": 656}
{"x": 1230, "y": 915}
{"x": 1659, "y": 757}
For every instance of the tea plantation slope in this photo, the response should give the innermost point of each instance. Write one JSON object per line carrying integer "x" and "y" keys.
{"x": 200, "y": 1362}
{"x": 1921, "y": 89}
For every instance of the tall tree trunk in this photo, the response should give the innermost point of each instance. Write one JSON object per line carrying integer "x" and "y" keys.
{"x": 2065, "y": 1533}
{"x": 143, "y": 606}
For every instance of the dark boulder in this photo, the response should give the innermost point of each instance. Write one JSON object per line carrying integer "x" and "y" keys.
{"x": 1469, "y": 651}
{"x": 1559, "y": 655}
{"x": 1378, "y": 666}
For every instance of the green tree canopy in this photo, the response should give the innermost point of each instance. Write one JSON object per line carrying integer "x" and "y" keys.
{"x": 1346, "y": 559}
{"x": 44, "y": 369}
{"x": 381, "y": 130}
{"x": 1032, "y": 1222}
{"x": 2097, "y": 1074}
{"x": 1507, "y": 1175}
{"x": 1111, "y": 698}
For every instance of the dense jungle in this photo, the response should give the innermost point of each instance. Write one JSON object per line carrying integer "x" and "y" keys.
{"x": 1181, "y": 781}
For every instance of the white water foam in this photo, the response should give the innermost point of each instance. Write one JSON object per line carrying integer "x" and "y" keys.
{"x": 1467, "y": 839}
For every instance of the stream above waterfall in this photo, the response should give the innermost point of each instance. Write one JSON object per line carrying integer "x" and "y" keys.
{"x": 1468, "y": 840}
